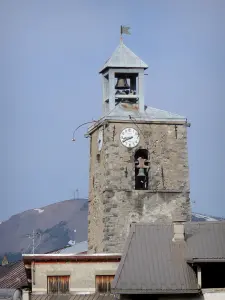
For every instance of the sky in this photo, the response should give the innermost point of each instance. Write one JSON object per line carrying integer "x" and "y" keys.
{"x": 50, "y": 56}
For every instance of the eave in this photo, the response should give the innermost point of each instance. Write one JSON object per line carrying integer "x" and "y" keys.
{"x": 93, "y": 128}
{"x": 101, "y": 257}
{"x": 154, "y": 292}
{"x": 205, "y": 260}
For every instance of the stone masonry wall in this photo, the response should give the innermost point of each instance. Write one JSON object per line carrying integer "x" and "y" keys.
{"x": 114, "y": 202}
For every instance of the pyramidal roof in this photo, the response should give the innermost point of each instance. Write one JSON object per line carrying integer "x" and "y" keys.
{"x": 123, "y": 57}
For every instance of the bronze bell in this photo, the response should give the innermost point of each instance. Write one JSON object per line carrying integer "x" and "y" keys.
{"x": 122, "y": 84}
{"x": 141, "y": 172}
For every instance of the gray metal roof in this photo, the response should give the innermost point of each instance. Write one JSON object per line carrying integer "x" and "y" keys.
{"x": 74, "y": 249}
{"x": 123, "y": 57}
{"x": 150, "y": 114}
{"x": 95, "y": 296}
{"x": 153, "y": 263}
{"x": 205, "y": 240}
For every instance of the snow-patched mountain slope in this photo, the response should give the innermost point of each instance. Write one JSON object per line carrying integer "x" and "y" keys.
{"x": 197, "y": 217}
{"x": 60, "y": 224}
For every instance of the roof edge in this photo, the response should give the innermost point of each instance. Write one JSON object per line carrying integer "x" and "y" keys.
{"x": 206, "y": 260}
{"x": 120, "y": 291}
{"x": 80, "y": 257}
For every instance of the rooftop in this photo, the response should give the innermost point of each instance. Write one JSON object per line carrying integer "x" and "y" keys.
{"x": 123, "y": 57}
{"x": 95, "y": 296}
{"x": 13, "y": 276}
{"x": 153, "y": 263}
{"x": 74, "y": 249}
{"x": 151, "y": 114}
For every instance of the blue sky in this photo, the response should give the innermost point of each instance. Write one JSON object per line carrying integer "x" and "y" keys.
{"x": 50, "y": 55}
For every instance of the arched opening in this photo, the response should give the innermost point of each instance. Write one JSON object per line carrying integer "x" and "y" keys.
{"x": 141, "y": 169}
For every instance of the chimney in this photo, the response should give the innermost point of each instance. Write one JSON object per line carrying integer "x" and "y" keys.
{"x": 178, "y": 227}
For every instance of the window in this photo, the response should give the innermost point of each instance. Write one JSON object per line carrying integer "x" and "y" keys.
{"x": 103, "y": 283}
{"x": 213, "y": 275}
{"x": 58, "y": 284}
{"x": 141, "y": 169}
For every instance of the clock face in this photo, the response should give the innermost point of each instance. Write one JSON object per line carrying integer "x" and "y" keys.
{"x": 129, "y": 137}
{"x": 100, "y": 139}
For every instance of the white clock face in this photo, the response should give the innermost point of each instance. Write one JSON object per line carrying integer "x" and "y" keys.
{"x": 129, "y": 137}
{"x": 100, "y": 139}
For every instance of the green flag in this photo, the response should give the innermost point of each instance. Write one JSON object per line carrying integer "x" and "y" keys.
{"x": 124, "y": 30}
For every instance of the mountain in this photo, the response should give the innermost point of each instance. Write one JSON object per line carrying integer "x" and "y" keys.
{"x": 54, "y": 227}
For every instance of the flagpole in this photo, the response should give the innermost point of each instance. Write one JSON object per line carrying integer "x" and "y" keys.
{"x": 121, "y": 34}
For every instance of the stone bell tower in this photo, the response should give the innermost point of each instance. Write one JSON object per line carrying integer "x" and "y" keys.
{"x": 138, "y": 158}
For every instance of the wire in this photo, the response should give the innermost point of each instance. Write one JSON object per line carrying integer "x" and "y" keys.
{"x": 93, "y": 121}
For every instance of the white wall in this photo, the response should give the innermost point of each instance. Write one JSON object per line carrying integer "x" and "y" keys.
{"x": 209, "y": 294}
{"x": 214, "y": 295}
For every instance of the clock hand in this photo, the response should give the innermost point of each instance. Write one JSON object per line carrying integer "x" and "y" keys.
{"x": 128, "y": 138}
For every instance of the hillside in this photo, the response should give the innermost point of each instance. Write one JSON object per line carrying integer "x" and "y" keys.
{"x": 55, "y": 223}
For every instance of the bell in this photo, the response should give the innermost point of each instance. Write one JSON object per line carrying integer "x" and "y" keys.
{"x": 141, "y": 172}
{"x": 122, "y": 84}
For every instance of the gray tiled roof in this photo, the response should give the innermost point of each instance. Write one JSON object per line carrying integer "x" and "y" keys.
{"x": 153, "y": 263}
{"x": 123, "y": 57}
{"x": 13, "y": 275}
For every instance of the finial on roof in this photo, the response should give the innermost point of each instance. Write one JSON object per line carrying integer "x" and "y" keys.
{"x": 5, "y": 261}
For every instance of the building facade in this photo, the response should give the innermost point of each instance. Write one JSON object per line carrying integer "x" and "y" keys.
{"x": 54, "y": 274}
{"x": 138, "y": 158}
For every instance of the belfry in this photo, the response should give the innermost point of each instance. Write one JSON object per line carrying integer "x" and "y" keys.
{"x": 138, "y": 157}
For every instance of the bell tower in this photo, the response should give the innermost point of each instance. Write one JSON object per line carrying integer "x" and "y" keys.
{"x": 138, "y": 158}
{"x": 123, "y": 84}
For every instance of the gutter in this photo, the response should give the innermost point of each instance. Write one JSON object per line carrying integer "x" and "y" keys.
{"x": 152, "y": 292}
{"x": 205, "y": 260}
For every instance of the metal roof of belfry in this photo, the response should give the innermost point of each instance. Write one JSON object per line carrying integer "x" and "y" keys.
{"x": 150, "y": 114}
{"x": 123, "y": 57}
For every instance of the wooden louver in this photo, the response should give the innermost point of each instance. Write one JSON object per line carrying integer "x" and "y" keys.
{"x": 58, "y": 284}
{"x": 103, "y": 283}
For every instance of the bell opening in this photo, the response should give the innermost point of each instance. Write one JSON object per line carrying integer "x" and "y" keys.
{"x": 141, "y": 169}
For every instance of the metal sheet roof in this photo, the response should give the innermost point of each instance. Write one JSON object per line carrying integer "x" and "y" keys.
{"x": 13, "y": 276}
{"x": 95, "y": 296}
{"x": 149, "y": 115}
{"x": 123, "y": 57}
{"x": 77, "y": 248}
{"x": 205, "y": 240}
{"x": 74, "y": 249}
{"x": 153, "y": 263}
